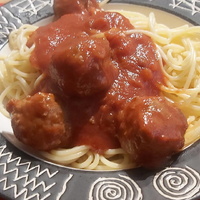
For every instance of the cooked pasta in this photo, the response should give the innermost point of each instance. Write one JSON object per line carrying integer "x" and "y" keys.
{"x": 179, "y": 48}
{"x": 17, "y": 76}
{"x": 82, "y": 157}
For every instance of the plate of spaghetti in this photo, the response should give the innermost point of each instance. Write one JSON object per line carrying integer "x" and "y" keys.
{"x": 100, "y": 99}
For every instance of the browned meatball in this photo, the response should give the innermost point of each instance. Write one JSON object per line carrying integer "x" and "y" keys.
{"x": 38, "y": 121}
{"x": 82, "y": 66}
{"x": 151, "y": 130}
{"x": 62, "y": 7}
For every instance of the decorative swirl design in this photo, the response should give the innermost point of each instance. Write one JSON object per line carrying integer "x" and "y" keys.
{"x": 122, "y": 188}
{"x": 177, "y": 183}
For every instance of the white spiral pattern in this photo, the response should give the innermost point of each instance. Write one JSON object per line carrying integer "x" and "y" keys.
{"x": 122, "y": 188}
{"x": 177, "y": 183}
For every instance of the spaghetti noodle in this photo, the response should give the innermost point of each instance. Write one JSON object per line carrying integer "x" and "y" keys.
{"x": 179, "y": 48}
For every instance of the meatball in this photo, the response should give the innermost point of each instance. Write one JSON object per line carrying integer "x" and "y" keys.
{"x": 38, "y": 121}
{"x": 62, "y": 7}
{"x": 151, "y": 130}
{"x": 83, "y": 66}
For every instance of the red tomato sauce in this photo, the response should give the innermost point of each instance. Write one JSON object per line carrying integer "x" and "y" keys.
{"x": 123, "y": 66}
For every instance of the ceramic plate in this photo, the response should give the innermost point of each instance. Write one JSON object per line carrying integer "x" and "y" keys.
{"x": 26, "y": 177}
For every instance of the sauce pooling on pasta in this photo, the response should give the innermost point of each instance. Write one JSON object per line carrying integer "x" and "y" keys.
{"x": 107, "y": 83}
{"x": 93, "y": 73}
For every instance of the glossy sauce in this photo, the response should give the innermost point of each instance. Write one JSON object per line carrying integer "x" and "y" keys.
{"x": 128, "y": 66}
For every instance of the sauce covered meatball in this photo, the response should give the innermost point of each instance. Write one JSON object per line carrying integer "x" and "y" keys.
{"x": 82, "y": 66}
{"x": 38, "y": 121}
{"x": 151, "y": 129}
{"x": 62, "y": 7}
